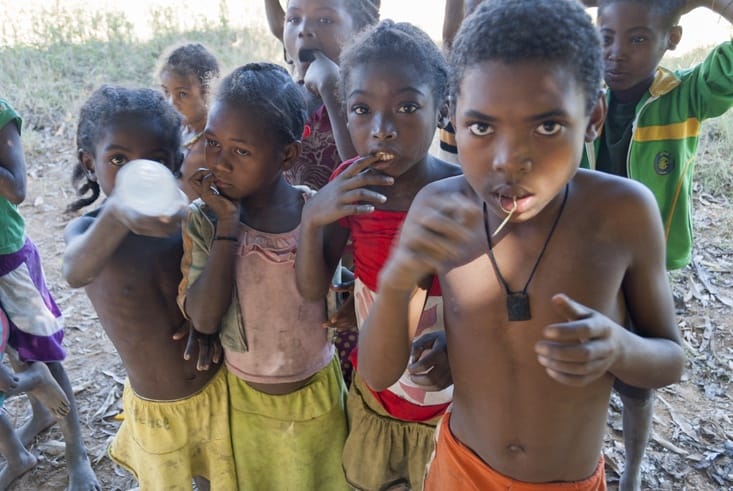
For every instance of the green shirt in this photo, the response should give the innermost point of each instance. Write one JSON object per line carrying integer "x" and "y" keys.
{"x": 12, "y": 226}
{"x": 616, "y": 138}
{"x": 664, "y": 138}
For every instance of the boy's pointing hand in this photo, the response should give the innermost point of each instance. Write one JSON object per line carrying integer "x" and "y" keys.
{"x": 580, "y": 350}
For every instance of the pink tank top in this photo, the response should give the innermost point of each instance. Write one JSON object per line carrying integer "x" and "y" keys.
{"x": 284, "y": 333}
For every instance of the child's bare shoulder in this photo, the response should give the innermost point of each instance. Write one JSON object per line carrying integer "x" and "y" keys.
{"x": 608, "y": 186}
{"x": 604, "y": 195}
{"x": 78, "y": 226}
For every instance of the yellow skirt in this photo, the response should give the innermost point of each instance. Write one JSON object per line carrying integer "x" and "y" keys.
{"x": 382, "y": 451}
{"x": 290, "y": 442}
{"x": 164, "y": 444}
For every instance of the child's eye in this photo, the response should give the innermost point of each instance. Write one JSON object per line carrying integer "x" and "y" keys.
{"x": 549, "y": 128}
{"x": 325, "y": 20}
{"x": 182, "y": 94}
{"x": 211, "y": 143}
{"x": 118, "y": 160}
{"x": 638, "y": 39}
{"x": 293, "y": 19}
{"x": 480, "y": 129}
{"x": 607, "y": 40}
{"x": 408, "y": 108}
{"x": 241, "y": 152}
{"x": 359, "y": 110}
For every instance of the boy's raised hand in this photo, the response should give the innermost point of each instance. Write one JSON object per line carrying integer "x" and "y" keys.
{"x": 322, "y": 74}
{"x": 581, "y": 350}
{"x": 347, "y": 194}
{"x": 435, "y": 237}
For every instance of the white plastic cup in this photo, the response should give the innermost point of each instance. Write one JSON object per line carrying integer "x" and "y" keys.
{"x": 148, "y": 188}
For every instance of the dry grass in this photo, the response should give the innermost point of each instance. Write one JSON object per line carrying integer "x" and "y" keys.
{"x": 63, "y": 53}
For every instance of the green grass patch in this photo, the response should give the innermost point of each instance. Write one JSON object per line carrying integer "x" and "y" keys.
{"x": 51, "y": 67}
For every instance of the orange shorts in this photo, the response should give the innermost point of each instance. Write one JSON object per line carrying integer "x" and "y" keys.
{"x": 454, "y": 467}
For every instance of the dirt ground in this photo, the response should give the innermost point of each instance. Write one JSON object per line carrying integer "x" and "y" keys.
{"x": 692, "y": 445}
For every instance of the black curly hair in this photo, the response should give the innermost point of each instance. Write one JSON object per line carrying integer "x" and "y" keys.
{"x": 190, "y": 59}
{"x": 668, "y": 11}
{"x": 403, "y": 42}
{"x": 269, "y": 92}
{"x": 106, "y": 105}
{"x": 517, "y": 31}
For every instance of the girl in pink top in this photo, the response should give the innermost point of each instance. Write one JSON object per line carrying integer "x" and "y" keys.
{"x": 286, "y": 392}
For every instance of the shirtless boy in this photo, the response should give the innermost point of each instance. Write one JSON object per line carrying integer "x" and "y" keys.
{"x": 537, "y": 308}
{"x": 176, "y": 426}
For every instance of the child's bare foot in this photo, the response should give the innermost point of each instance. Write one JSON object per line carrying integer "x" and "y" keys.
{"x": 82, "y": 477}
{"x": 47, "y": 390}
{"x": 8, "y": 380}
{"x": 16, "y": 467}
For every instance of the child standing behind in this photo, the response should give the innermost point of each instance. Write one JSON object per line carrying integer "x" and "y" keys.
{"x": 651, "y": 135}
{"x": 35, "y": 323}
{"x": 175, "y": 426}
{"x": 21, "y": 278}
{"x": 186, "y": 74}
{"x": 653, "y": 124}
{"x": 394, "y": 84}
{"x": 314, "y": 34}
{"x": 287, "y": 394}
{"x": 543, "y": 266}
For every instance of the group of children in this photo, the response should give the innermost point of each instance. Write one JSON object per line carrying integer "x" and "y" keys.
{"x": 496, "y": 304}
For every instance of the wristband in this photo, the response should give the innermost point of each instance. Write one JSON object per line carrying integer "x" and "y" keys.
{"x": 230, "y": 238}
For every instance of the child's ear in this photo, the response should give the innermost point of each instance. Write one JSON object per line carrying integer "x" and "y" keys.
{"x": 444, "y": 115}
{"x": 597, "y": 117}
{"x": 291, "y": 152}
{"x": 87, "y": 162}
{"x": 674, "y": 37}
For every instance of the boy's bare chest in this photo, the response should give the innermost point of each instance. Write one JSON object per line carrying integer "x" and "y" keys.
{"x": 480, "y": 296}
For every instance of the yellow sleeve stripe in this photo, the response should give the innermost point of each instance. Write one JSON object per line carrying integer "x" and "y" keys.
{"x": 676, "y": 131}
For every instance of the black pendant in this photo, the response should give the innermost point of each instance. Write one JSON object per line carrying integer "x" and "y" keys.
{"x": 517, "y": 305}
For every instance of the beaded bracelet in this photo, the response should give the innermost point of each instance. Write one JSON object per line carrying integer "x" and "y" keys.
{"x": 226, "y": 237}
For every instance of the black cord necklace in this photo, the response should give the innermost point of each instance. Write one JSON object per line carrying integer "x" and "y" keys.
{"x": 517, "y": 303}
